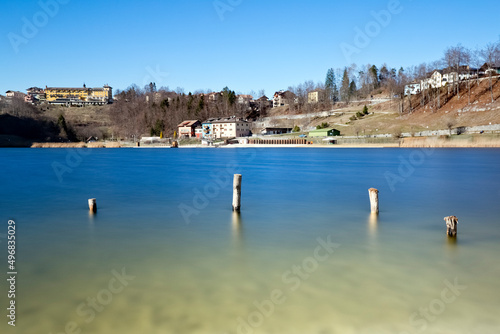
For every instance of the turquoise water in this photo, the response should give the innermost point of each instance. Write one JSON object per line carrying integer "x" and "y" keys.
{"x": 165, "y": 253}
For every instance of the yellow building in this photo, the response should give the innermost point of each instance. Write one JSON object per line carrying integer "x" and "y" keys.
{"x": 72, "y": 94}
{"x": 313, "y": 97}
{"x": 103, "y": 94}
{"x": 54, "y": 93}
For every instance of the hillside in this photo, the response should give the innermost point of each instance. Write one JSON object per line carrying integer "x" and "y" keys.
{"x": 385, "y": 117}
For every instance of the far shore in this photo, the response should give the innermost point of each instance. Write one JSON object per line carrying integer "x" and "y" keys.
{"x": 462, "y": 141}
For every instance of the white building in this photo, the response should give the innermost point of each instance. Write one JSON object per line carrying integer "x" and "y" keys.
{"x": 449, "y": 78}
{"x": 230, "y": 128}
{"x": 12, "y": 93}
{"x": 279, "y": 99}
{"x": 412, "y": 89}
{"x": 434, "y": 81}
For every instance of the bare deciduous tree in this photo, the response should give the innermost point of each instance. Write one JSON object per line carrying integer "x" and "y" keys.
{"x": 491, "y": 56}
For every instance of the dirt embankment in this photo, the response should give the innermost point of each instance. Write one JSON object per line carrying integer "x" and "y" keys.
{"x": 464, "y": 142}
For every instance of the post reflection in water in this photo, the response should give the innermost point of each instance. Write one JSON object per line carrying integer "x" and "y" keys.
{"x": 451, "y": 242}
{"x": 237, "y": 228}
{"x": 373, "y": 224}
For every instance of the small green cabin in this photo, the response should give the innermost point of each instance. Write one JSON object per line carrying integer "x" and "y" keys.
{"x": 324, "y": 133}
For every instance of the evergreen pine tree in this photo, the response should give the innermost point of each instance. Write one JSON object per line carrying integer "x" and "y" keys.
{"x": 331, "y": 86}
{"x": 344, "y": 89}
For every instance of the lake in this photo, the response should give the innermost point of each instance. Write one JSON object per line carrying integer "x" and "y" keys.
{"x": 166, "y": 254}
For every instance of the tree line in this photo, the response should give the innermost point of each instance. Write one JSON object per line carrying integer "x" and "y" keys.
{"x": 155, "y": 111}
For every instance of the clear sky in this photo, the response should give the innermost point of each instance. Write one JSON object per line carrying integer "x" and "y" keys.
{"x": 244, "y": 44}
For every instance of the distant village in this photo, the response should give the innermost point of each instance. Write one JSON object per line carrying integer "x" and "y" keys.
{"x": 82, "y": 96}
{"x": 210, "y": 129}
{"x": 207, "y": 131}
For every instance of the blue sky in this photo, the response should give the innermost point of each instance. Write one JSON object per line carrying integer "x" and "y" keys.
{"x": 244, "y": 44}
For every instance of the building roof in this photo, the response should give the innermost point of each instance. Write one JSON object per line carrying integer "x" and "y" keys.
{"x": 229, "y": 120}
{"x": 224, "y": 120}
{"x": 67, "y": 88}
{"x": 190, "y": 123}
{"x": 272, "y": 128}
{"x": 74, "y": 88}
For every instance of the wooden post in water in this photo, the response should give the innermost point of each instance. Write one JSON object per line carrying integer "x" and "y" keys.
{"x": 373, "y": 199}
{"x": 237, "y": 192}
{"x": 93, "y": 205}
{"x": 451, "y": 225}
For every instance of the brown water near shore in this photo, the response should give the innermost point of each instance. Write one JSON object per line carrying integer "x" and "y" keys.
{"x": 77, "y": 145}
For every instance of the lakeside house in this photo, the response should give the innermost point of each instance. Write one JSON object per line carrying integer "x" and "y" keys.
{"x": 187, "y": 129}
{"x": 198, "y": 132}
{"x": 330, "y": 132}
{"x": 207, "y": 129}
{"x": 275, "y": 131}
{"x": 230, "y": 127}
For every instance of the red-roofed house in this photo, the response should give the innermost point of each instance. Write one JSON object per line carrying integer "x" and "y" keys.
{"x": 187, "y": 128}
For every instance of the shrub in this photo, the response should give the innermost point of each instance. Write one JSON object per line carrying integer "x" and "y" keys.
{"x": 323, "y": 125}
{"x": 397, "y": 134}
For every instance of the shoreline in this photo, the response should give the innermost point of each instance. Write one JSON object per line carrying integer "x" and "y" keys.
{"x": 463, "y": 141}
{"x": 423, "y": 144}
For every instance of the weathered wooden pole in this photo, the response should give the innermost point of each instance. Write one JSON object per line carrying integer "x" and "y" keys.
{"x": 373, "y": 199}
{"x": 237, "y": 192}
{"x": 93, "y": 205}
{"x": 451, "y": 225}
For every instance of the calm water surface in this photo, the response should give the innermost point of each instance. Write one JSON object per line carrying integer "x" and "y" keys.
{"x": 165, "y": 253}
